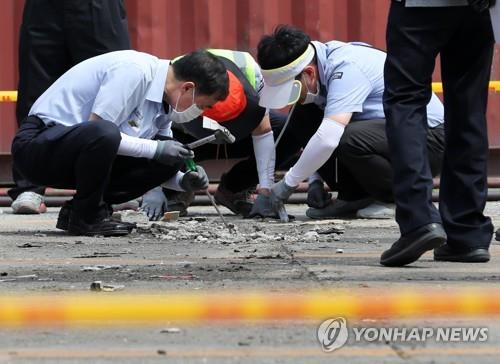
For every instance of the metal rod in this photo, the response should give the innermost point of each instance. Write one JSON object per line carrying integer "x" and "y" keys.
{"x": 214, "y": 204}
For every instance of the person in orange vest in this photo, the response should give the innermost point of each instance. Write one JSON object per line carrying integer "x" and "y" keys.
{"x": 254, "y": 128}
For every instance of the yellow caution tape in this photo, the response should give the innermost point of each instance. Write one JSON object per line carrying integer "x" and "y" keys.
{"x": 105, "y": 309}
{"x": 11, "y": 96}
{"x": 437, "y": 87}
{"x": 8, "y": 96}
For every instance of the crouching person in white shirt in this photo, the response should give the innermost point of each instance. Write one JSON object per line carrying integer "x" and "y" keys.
{"x": 103, "y": 129}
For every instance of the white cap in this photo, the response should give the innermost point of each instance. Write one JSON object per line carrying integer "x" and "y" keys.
{"x": 280, "y": 86}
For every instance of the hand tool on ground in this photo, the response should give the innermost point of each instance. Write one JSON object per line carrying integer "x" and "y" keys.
{"x": 281, "y": 209}
{"x": 283, "y": 214}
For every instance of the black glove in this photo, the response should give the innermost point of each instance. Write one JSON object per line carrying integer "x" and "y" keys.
{"x": 280, "y": 193}
{"x": 481, "y": 5}
{"x": 317, "y": 197}
{"x": 262, "y": 207}
{"x": 195, "y": 181}
{"x": 172, "y": 152}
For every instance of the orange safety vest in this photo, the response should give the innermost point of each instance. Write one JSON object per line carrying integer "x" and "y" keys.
{"x": 234, "y": 104}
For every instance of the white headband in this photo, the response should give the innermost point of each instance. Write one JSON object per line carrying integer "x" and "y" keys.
{"x": 278, "y": 76}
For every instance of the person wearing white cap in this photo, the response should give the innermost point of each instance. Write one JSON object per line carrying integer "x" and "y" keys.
{"x": 338, "y": 117}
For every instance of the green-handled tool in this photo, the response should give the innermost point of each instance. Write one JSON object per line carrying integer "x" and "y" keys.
{"x": 222, "y": 136}
{"x": 191, "y": 167}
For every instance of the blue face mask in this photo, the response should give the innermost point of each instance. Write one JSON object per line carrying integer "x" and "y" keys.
{"x": 187, "y": 115}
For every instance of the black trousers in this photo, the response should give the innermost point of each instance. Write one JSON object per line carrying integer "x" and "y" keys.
{"x": 415, "y": 36}
{"x": 243, "y": 175}
{"x": 56, "y": 35}
{"x": 360, "y": 167}
{"x": 83, "y": 157}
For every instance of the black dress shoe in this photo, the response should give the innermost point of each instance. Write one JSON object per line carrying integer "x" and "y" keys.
{"x": 104, "y": 227}
{"x": 65, "y": 212}
{"x": 474, "y": 255}
{"x": 412, "y": 246}
{"x": 63, "y": 217}
{"x": 338, "y": 209}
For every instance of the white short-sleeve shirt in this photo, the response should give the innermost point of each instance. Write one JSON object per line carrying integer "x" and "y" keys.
{"x": 124, "y": 87}
{"x": 352, "y": 81}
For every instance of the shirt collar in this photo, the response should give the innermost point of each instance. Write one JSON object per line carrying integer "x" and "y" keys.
{"x": 321, "y": 60}
{"x": 157, "y": 87}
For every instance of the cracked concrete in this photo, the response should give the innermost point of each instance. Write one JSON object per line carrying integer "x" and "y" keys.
{"x": 198, "y": 253}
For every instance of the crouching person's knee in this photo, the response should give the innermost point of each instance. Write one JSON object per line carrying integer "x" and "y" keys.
{"x": 104, "y": 134}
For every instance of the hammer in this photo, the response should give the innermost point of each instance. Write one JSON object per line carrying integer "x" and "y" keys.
{"x": 220, "y": 136}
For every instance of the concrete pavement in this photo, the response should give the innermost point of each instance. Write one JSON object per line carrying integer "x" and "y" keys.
{"x": 198, "y": 255}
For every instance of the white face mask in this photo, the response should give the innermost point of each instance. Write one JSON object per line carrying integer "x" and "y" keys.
{"x": 310, "y": 97}
{"x": 187, "y": 115}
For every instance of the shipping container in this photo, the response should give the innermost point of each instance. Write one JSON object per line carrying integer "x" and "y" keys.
{"x": 168, "y": 28}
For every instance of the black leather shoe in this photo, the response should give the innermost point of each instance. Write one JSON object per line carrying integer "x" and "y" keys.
{"x": 65, "y": 212}
{"x": 412, "y": 246}
{"x": 104, "y": 227}
{"x": 447, "y": 254}
{"x": 497, "y": 235}
{"x": 338, "y": 209}
{"x": 63, "y": 217}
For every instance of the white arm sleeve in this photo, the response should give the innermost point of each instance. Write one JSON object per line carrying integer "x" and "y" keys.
{"x": 137, "y": 147}
{"x": 317, "y": 152}
{"x": 265, "y": 156}
{"x": 174, "y": 183}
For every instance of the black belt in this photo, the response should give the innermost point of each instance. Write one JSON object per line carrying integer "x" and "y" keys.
{"x": 36, "y": 121}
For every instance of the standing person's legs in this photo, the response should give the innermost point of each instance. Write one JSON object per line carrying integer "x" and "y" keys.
{"x": 43, "y": 59}
{"x": 412, "y": 48}
{"x": 414, "y": 38}
{"x": 95, "y": 27}
{"x": 464, "y": 186}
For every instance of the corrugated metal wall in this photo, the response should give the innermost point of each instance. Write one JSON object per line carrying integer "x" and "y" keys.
{"x": 168, "y": 28}
{"x": 10, "y": 18}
